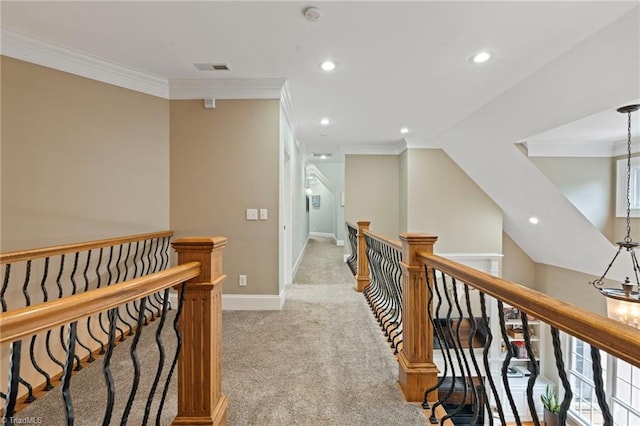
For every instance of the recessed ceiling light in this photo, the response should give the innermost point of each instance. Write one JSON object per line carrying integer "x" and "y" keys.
{"x": 404, "y": 130}
{"x": 323, "y": 157}
{"x": 534, "y": 220}
{"x": 328, "y": 66}
{"x": 325, "y": 121}
{"x": 481, "y": 57}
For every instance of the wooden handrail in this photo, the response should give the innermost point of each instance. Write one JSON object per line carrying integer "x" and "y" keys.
{"x": 388, "y": 241}
{"x": 611, "y": 336}
{"x": 27, "y": 321}
{"x": 22, "y": 255}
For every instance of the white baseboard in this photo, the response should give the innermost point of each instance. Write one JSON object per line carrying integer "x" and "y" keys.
{"x": 243, "y": 302}
{"x": 322, "y": 234}
{"x": 340, "y": 243}
{"x": 253, "y": 302}
{"x": 296, "y": 265}
{"x": 346, "y": 256}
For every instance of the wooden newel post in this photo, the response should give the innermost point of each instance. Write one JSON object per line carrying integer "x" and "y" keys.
{"x": 200, "y": 398}
{"x": 417, "y": 372}
{"x": 362, "y": 277}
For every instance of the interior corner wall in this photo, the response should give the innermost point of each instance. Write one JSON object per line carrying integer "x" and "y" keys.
{"x": 81, "y": 160}
{"x": 517, "y": 266}
{"x": 224, "y": 161}
{"x": 371, "y": 192}
{"x": 589, "y": 183}
{"x": 404, "y": 184}
{"x": 442, "y": 200}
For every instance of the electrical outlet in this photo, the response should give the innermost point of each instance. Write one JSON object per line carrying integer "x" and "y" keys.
{"x": 242, "y": 280}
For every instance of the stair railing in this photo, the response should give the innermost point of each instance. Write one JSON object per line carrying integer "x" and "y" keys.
{"x": 197, "y": 328}
{"x": 461, "y": 318}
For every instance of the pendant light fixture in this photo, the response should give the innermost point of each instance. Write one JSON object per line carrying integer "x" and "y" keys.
{"x": 624, "y": 304}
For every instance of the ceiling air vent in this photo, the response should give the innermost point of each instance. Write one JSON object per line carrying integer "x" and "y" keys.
{"x": 212, "y": 67}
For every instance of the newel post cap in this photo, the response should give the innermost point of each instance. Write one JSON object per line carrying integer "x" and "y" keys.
{"x": 199, "y": 243}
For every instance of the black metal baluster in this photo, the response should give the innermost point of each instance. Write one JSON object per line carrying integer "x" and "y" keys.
{"x": 47, "y": 339}
{"x": 472, "y": 354}
{"x": 30, "y": 397}
{"x": 135, "y": 275}
{"x": 136, "y": 364}
{"x": 120, "y": 317}
{"x": 48, "y": 386}
{"x": 507, "y": 359}
{"x": 152, "y": 392}
{"x": 12, "y": 392}
{"x": 126, "y": 274}
{"x": 352, "y": 260}
{"x": 436, "y": 334}
{"x": 535, "y": 370}
{"x": 86, "y": 289}
{"x": 109, "y": 282}
{"x": 5, "y": 284}
{"x": 485, "y": 361}
{"x": 176, "y": 328}
{"x": 446, "y": 353}
{"x": 60, "y": 295}
{"x": 154, "y": 259}
{"x": 67, "y": 373}
{"x": 596, "y": 364}
{"x": 106, "y": 367}
{"x": 562, "y": 374}
{"x": 99, "y": 282}
{"x": 145, "y": 270}
{"x": 457, "y": 348}
{"x": 74, "y": 290}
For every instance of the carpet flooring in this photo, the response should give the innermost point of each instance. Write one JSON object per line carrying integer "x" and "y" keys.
{"x": 321, "y": 360}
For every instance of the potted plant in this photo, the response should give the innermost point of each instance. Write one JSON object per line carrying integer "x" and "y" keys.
{"x": 551, "y": 407}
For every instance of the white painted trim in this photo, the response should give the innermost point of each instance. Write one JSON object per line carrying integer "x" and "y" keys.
{"x": 72, "y": 61}
{"x": 322, "y": 235}
{"x": 340, "y": 243}
{"x": 253, "y": 302}
{"x": 296, "y": 265}
{"x": 226, "y": 88}
{"x": 290, "y": 113}
{"x": 346, "y": 256}
{"x": 580, "y": 149}
{"x": 312, "y": 169}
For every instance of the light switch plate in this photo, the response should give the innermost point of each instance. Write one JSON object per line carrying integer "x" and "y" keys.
{"x": 263, "y": 214}
{"x": 252, "y": 214}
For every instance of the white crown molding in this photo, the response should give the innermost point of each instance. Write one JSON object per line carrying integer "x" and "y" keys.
{"x": 226, "y": 88}
{"x": 290, "y": 115}
{"x": 420, "y": 144}
{"x": 64, "y": 59}
{"x": 580, "y": 149}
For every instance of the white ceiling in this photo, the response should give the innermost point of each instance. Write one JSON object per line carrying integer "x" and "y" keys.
{"x": 399, "y": 63}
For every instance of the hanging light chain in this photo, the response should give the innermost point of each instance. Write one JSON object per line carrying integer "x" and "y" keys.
{"x": 628, "y": 239}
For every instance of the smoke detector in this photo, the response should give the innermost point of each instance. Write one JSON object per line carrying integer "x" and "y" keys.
{"x": 312, "y": 14}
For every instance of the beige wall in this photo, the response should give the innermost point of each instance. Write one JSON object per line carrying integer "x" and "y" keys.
{"x": 371, "y": 192}
{"x": 517, "y": 266}
{"x": 81, "y": 159}
{"x": 404, "y": 184}
{"x": 444, "y": 201}
{"x": 224, "y": 161}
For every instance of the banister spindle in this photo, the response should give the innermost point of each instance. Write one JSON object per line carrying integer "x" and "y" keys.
{"x": 417, "y": 371}
{"x": 200, "y": 397}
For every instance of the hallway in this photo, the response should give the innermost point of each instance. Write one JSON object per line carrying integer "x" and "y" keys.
{"x": 322, "y": 360}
